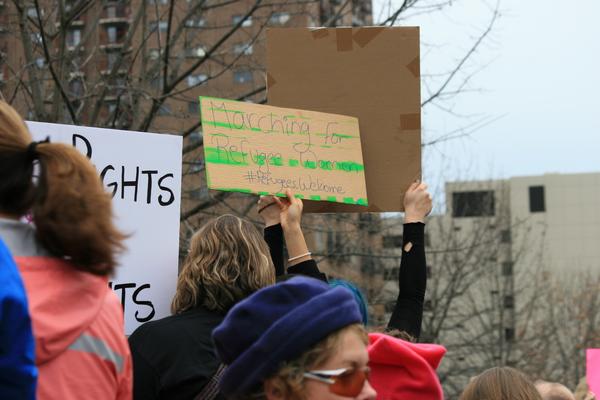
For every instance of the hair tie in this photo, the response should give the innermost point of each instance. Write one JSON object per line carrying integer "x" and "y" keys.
{"x": 31, "y": 151}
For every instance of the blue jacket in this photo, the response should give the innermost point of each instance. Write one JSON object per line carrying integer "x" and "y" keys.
{"x": 18, "y": 374}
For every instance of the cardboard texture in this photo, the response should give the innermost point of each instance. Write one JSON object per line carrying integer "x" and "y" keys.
{"x": 593, "y": 370}
{"x": 371, "y": 73}
{"x": 253, "y": 148}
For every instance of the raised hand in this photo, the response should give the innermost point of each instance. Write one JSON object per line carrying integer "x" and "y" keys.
{"x": 290, "y": 210}
{"x": 268, "y": 209}
{"x": 417, "y": 203}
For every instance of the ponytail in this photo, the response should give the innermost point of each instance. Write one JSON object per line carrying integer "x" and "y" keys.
{"x": 71, "y": 210}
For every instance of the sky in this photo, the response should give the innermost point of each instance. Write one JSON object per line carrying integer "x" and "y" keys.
{"x": 533, "y": 93}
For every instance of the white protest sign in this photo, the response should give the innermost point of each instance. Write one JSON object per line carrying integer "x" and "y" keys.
{"x": 143, "y": 172}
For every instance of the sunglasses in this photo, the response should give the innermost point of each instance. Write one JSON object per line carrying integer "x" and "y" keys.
{"x": 347, "y": 382}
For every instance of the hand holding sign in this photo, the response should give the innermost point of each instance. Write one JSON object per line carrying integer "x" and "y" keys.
{"x": 261, "y": 149}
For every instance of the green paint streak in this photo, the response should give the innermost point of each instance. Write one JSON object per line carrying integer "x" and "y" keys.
{"x": 310, "y": 164}
{"x": 217, "y": 124}
{"x": 348, "y": 200}
{"x": 340, "y": 135}
{"x": 299, "y": 196}
{"x": 289, "y": 116}
{"x": 326, "y": 165}
{"x": 264, "y": 193}
{"x": 220, "y": 109}
{"x": 326, "y": 146}
{"x": 277, "y": 161}
{"x": 255, "y": 129}
{"x": 215, "y": 156}
{"x": 343, "y": 136}
{"x": 315, "y": 197}
{"x": 331, "y": 198}
{"x": 293, "y": 163}
{"x": 260, "y": 159}
{"x": 279, "y": 194}
{"x": 362, "y": 202}
{"x": 349, "y": 166}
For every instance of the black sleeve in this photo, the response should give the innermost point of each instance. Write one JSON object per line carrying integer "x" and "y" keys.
{"x": 308, "y": 268}
{"x": 274, "y": 238}
{"x": 145, "y": 378}
{"x": 408, "y": 312}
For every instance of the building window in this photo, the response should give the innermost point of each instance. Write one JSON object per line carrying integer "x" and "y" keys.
{"x": 195, "y": 22}
{"x": 73, "y": 37}
{"x": 32, "y": 13}
{"x": 505, "y": 236}
{"x": 242, "y": 76}
{"x": 509, "y": 302}
{"x": 509, "y": 334}
{"x": 507, "y": 268}
{"x": 242, "y": 48}
{"x": 36, "y": 37}
{"x": 537, "y": 201}
{"x": 197, "y": 79}
{"x": 196, "y": 166}
{"x": 392, "y": 241}
{"x": 195, "y": 52}
{"x": 154, "y": 54}
{"x": 279, "y": 18}
{"x": 193, "y": 107}
{"x": 76, "y": 87}
{"x": 111, "y": 106}
{"x": 164, "y": 110}
{"x": 111, "y": 59}
{"x": 196, "y": 138}
{"x": 111, "y": 34}
{"x": 473, "y": 204}
{"x": 40, "y": 62}
{"x": 237, "y": 18}
{"x": 161, "y": 25}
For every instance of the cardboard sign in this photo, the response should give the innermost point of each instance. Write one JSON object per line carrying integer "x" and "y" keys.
{"x": 254, "y": 148}
{"x": 143, "y": 172}
{"x": 593, "y": 370}
{"x": 371, "y": 73}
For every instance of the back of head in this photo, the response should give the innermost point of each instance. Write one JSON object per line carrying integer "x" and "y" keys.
{"x": 71, "y": 210}
{"x": 358, "y": 296}
{"x": 553, "y": 391}
{"x": 501, "y": 383}
{"x": 276, "y": 325}
{"x": 228, "y": 260}
{"x": 404, "y": 370}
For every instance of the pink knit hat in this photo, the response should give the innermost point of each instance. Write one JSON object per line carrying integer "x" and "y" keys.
{"x": 401, "y": 370}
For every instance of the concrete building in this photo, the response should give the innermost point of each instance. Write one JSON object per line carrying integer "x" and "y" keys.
{"x": 486, "y": 252}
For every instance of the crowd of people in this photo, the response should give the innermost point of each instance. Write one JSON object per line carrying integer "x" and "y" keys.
{"x": 246, "y": 323}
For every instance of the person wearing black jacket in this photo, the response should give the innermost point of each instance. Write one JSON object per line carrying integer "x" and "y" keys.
{"x": 407, "y": 315}
{"x": 174, "y": 357}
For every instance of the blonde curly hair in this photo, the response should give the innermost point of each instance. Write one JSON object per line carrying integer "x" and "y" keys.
{"x": 228, "y": 260}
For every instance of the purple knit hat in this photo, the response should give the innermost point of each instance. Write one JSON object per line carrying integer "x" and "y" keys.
{"x": 276, "y": 324}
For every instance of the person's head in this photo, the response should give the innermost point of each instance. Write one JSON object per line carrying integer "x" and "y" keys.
{"x": 404, "y": 370}
{"x": 228, "y": 260}
{"x": 296, "y": 340}
{"x": 500, "y": 383}
{"x": 358, "y": 296}
{"x": 553, "y": 391}
{"x": 71, "y": 210}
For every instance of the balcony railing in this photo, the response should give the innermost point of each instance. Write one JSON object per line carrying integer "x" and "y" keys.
{"x": 116, "y": 14}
